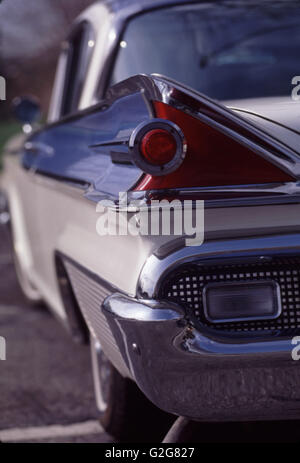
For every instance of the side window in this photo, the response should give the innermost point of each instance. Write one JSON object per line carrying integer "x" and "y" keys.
{"x": 78, "y": 52}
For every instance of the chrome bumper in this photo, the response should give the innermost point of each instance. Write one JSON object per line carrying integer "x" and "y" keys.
{"x": 191, "y": 374}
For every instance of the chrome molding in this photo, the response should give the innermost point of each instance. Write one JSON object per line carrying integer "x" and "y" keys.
{"x": 142, "y": 310}
{"x": 230, "y": 196}
{"x": 262, "y": 247}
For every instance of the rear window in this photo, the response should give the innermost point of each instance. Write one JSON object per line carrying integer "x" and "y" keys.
{"x": 228, "y": 50}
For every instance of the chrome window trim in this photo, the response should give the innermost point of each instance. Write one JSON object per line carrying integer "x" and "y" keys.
{"x": 120, "y": 18}
{"x": 85, "y": 27}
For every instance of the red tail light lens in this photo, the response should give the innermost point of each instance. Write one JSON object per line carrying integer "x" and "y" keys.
{"x": 212, "y": 158}
{"x": 158, "y": 147}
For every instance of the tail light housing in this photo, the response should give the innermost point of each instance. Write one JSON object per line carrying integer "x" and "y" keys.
{"x": 208, "y": 157}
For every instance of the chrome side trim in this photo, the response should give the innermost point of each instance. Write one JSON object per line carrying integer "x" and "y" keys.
{"x": 266, "y": 194}
{"x": 272, "y": 189}
{"x": 142, "y": 310}
{"x": 261, "y": 247}
{"x": 230, "y": 196}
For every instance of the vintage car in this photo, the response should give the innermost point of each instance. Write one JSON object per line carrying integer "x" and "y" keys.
{"x": 156, "y": 102}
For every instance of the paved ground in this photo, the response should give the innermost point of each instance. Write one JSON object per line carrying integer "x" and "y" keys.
{"x": 46, "y": 378}
{"x": 46, "y": 392}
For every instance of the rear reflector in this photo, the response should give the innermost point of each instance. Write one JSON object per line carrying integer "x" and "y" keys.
{"x": 212, "y": 158}
{"x": 158, "y": 146}
{"x": 233, "y": 302}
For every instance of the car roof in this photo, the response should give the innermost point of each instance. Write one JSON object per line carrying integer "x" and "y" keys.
{"x": 122, "y": 6}
{"x": 119, "y": 5}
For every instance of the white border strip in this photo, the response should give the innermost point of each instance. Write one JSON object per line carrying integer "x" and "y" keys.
{"x": 49, "y": 432}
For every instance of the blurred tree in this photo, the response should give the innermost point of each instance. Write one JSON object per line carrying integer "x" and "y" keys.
{"x": 30, "y": 37}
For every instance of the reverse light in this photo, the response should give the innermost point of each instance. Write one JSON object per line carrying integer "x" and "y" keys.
{"x": 233, "y": 302}
{"x": 158, "y": 147}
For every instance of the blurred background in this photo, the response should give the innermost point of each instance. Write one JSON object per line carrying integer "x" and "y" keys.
{"x": 30, "y": 36}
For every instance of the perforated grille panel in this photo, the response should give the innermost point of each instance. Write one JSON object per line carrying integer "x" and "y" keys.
{"x": 186, "y": 284}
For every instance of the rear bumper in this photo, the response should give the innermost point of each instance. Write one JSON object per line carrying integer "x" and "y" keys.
{"x": 191, "y": 374}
